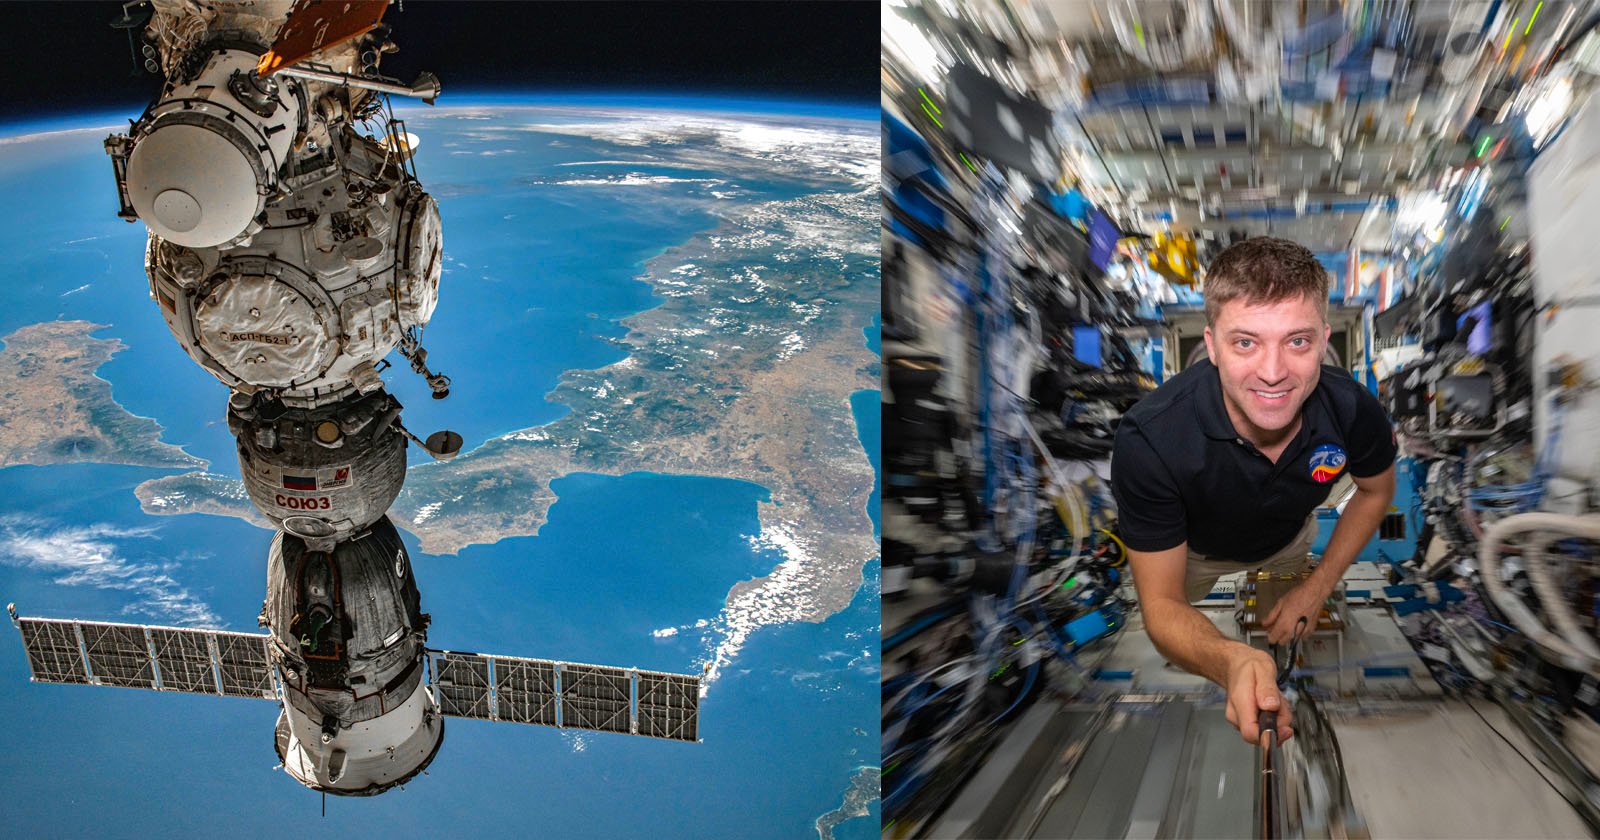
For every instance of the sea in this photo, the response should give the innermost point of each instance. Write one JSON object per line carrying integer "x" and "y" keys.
{"x": 529, "y": 292}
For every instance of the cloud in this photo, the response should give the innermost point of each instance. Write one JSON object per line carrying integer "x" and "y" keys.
{"x": 90, "y": 555}
{"x": 845, "y": 148}
{"x": 632, "y": 179}
{"x": 782, "y": 597}
{"x": 57, "y": 136}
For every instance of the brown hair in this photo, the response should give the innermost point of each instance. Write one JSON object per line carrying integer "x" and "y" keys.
{"x": 1264, "y": 269}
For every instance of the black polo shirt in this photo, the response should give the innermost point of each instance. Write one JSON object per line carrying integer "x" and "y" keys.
{"x": 1179, "y": 471}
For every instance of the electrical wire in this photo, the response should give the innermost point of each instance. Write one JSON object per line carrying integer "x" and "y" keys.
{"x": 927, "y": 676}
{"x": 1525, "y": 496}
{"x": 918, "y": 623}
{"x": 1123, "y": 561}
{"x": 1059, "y": 480}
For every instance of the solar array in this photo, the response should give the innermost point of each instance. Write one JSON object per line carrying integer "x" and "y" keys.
{"x": 140, "y": 656}
{"x": 567, "y": 695}
{"x": 669, "y": 705}
{"x": 501, "y": 688}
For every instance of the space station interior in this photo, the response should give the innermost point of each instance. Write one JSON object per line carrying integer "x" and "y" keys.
{"x": 1057, "y": 176}
{"x": 292, "y": 248}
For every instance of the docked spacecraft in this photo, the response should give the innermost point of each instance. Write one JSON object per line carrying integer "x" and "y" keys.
{"x": 292, "y": 249}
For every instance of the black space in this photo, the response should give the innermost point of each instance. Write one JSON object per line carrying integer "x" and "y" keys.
{"x": 64, "y": 57}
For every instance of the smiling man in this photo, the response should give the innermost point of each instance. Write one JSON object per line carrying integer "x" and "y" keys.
{"x": 1222, "y": 468}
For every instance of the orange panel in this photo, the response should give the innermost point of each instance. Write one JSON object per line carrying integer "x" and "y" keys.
{"x": 317, "y": 25}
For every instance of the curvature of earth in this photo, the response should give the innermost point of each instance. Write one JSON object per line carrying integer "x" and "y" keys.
{"x": 744, "y": 370}
{"x": 627, "y": 292}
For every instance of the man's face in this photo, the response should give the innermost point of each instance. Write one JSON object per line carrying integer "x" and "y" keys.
{"x": 1269, "y": 356}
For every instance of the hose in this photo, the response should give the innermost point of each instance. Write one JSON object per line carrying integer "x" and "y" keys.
{"x": 1567, "y": 653}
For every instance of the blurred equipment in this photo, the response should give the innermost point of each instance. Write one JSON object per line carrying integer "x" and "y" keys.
{"x": 1008, "y": 361}
{"x": 1056, "y": 178}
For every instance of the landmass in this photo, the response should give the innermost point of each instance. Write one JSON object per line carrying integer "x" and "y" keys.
{"x": 863, "y": 791}
{"x": 200, "y": 492}
{"x": 56, "y": 410}
{"x": 744, "y": 371}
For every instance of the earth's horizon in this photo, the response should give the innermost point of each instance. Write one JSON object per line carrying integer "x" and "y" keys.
{"x": 659, "y": 323}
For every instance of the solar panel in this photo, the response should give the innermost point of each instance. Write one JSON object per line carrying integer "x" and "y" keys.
{"x": 525, "y": 690}
{"x": 567, "y": 695}
{"x": 461, "y": 681}
{"x": 142, "y": 656}
{"x": 596, "y": 697}
{"x": 243, "y": 665}
{"x": 505, "y": 688}
{"x": 53, "y": 653}
{"x": 118, "y": 655}
{"x": 183, "y": 660}
{"x": 669, "y": 706}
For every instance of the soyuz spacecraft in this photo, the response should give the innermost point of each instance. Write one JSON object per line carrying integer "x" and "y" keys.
{"x": 290, "y": 252}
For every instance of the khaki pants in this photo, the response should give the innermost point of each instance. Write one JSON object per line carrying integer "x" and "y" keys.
{"x": 1202, "y": 571}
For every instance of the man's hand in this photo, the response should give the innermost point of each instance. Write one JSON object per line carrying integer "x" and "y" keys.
{"x": 1305, "y": 601}
{"x": 1192, "y": 641}
{"x": 1253, "y": 688}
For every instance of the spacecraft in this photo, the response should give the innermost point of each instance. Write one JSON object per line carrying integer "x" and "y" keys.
{"x": 292, "y": 248}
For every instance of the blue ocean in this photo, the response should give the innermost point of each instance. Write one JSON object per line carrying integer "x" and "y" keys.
{"x": 533, "y": 287}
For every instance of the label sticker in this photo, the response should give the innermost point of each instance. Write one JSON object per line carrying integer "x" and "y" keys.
{"x": 1326, "y": 463}
{"x": 341, "y": 478}
{"x": 299, "y": 482}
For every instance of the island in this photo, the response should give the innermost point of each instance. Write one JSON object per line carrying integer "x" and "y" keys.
{"x": 57, "y": 411}
{"x": 863, "y": 791}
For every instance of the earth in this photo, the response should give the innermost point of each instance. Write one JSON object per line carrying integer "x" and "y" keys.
{"x": 659, "y": 316}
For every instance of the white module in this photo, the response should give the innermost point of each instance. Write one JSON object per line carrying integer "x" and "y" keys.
{"x": 348, "y": 258}
{"x": 207, "y": 157}
{"x": 368, "y": 757}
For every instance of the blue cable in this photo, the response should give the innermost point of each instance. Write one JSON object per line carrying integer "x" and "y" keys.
{"x": 894, "y": 682}
{"x": 1027, "y": 686}
{"x": 905, "y": 634}
{"x": 1503, "y": 626}
{"x": 1527, "y": 495}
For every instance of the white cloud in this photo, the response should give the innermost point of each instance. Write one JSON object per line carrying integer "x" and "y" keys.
{"x": 63, "y": 134}
{"x": 846, "y": 148}
{"x": 89, "y": 555}
{"x": 632, "y": 179}
{"x": 783, "y": 597}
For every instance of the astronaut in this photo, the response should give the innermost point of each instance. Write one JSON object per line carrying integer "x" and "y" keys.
{"x": 1221, "y": 469}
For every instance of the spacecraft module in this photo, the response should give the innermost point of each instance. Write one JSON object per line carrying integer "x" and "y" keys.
{"x": 292, "y": 248}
